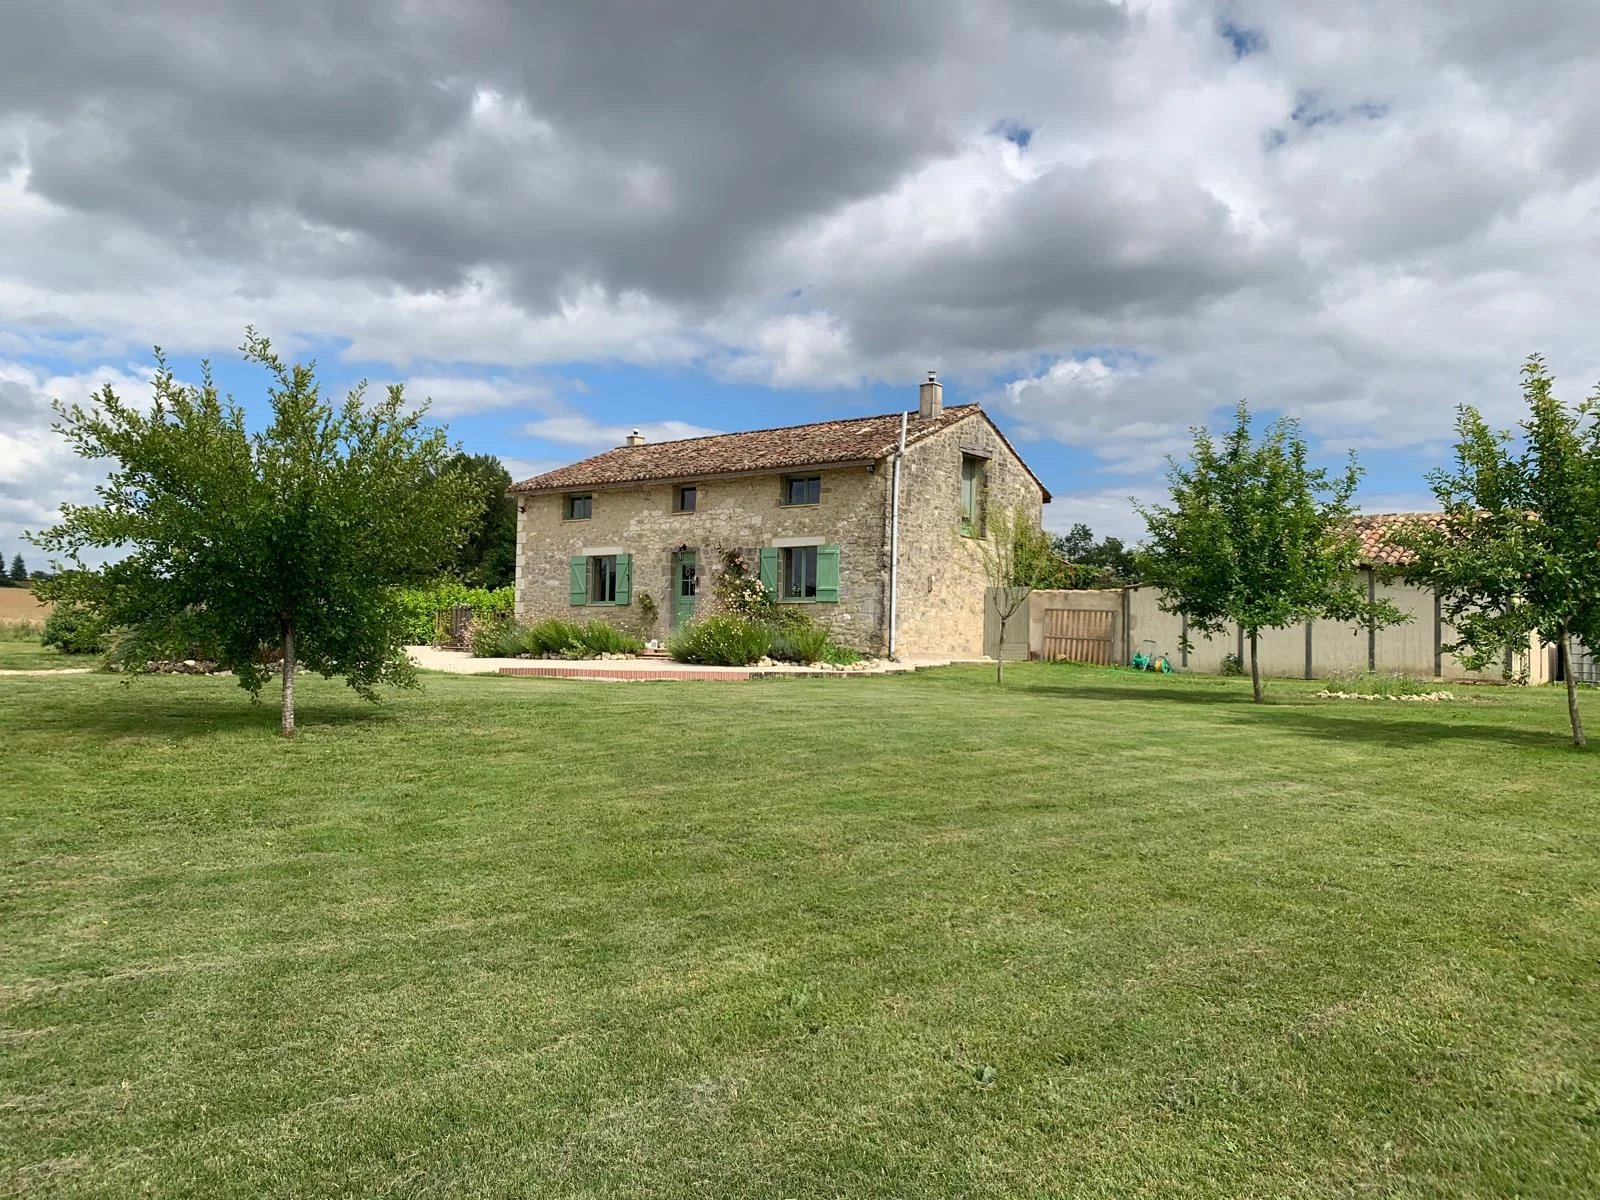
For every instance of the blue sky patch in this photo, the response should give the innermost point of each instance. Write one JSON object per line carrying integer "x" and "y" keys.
{"x": 1015, "y": 132}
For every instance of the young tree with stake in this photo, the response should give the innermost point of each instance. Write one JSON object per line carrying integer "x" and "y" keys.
{"x": 1254, "y": 536}
{"x": 1017, "y": 557}
{"x": 288, "y": 542}
{"x": 1518, "y": 553}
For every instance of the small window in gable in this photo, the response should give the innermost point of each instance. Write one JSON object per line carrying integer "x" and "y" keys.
{"x": 974, "y": 485}
{"x": 685, "y": 497}
{"x": 577, "y": 508}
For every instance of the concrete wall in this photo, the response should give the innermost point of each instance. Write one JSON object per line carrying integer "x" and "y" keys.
{"x": 1336, "y": 647}
{"x": 942, "y": 580}
{"x": 739, "y": 513}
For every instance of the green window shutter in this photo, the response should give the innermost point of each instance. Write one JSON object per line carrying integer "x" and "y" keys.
{"x": 578, "y": 579}
{"x": 828, "y": 573}
{"x": 769, "y": 568}
{"x": 624, "y": 578}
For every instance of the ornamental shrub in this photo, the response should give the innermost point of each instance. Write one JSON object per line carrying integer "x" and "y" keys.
{"x": 75, "y": 628}
{"x": 551, "y": 636}
{"x": 809, "y": 643}
{"x": 721, "y": 640}
{"x": 597, "y": 637}
{"x": 493, "y": 638}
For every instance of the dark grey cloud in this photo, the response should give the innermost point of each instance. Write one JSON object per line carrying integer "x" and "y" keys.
{"x": 1366, "y": 211}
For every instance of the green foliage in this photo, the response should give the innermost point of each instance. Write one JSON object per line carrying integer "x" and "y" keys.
{"x": 423, "y": 604}
{"x": 807, "y": 642}
{"x": 1017, "y": 556}
{"x": 1254, "y": 536}
{"x": 649, "y": 610}
{"x": 1232, "y": 665}
{"x": 1091, "y": 563}
{"x": 600, "y": 637}
{"x": 738, "y": 591}
{"x": 19, "y": 570}
{"x": 751, "y": 624}
{"x": 1367, "y": 683}
{"x": 296, "y": 535}
{"x": 487, "y": 558}
{"x": 495, "y": 638}
{"x": 74, "y": 627}
{"x": 1519, "y": 551}
{"x": 723, "y": 639}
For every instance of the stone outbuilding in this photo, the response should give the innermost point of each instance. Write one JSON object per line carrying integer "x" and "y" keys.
{"x": 874, "y": 523}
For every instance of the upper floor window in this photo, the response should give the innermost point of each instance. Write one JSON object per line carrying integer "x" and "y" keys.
{"x": 577, "y": 508}
{"x": 973, "y": 484}
{"x": 802, "y": 489}
{"x": 685, "y": 497}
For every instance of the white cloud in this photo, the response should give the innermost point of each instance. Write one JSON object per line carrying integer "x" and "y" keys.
{"x": 38, "y": 469}
{"x": 577, "y": 429}
{"x": 449, "y": 396}
{"x": 1369, "y": 219}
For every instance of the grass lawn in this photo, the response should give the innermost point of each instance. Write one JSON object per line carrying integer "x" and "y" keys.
{"x": 1095, "y": 934}
{"x": 29, "y": 655}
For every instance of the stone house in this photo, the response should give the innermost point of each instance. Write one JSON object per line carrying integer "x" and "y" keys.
{"x": 637, "y": 534}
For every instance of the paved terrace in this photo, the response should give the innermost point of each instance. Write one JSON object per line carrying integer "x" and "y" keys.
{"x": 430, "y": 658}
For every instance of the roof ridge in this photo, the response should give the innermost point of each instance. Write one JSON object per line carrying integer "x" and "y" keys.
{"x": 706, "y": 437}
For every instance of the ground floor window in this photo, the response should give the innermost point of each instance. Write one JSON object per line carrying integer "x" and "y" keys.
{"x": 801, "y": 574}
{"x": 601, "y": 578}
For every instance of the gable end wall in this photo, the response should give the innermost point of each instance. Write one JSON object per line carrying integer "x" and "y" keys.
{"x": 942, "y": 580}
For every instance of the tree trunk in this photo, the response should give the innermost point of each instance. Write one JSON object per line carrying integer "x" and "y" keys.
{"x": 287, "y": 727}
{"x": 1255, "y": 670}
{"x": 1572, "y": 692}
{"x": 1000, "y": 650}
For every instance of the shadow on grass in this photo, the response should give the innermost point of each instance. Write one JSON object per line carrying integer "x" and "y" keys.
{"x": 1301, "y": 715}
{"x": 1165, "y": 693}
{"x": 190, "y": 717}
{"x": 1380, "y": 729}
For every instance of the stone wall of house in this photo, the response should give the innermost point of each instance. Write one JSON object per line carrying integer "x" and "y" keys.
{"x": 739, "y": 513}
{"x": 942, "y": 580}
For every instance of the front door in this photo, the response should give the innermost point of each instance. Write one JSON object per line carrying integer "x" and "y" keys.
{"x": 685, "y": 580}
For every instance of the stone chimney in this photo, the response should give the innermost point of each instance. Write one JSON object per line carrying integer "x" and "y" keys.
{"x": 930, "y": 398}
{"x": 634, "y": 439}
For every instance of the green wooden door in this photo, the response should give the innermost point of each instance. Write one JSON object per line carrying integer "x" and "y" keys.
{"x": 685, "y": 581}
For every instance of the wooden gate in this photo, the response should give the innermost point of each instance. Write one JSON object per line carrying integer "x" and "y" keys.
{"x": 1077, "y": 635}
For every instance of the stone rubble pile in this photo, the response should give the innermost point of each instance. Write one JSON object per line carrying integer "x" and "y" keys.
{"x": 1420, "y": 698}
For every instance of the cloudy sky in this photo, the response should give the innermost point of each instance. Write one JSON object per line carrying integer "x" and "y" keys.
{"x": 1106, "y": 221}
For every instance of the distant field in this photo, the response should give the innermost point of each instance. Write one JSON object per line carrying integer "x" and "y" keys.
{"x": 19, "y": 604}
{"x": 1090, "y": 935}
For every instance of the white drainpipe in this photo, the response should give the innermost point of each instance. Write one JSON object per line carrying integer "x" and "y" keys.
{"x": 894, "y": 537}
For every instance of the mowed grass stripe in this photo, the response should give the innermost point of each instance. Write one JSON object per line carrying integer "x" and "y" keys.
{"x": 1092, "y": 934}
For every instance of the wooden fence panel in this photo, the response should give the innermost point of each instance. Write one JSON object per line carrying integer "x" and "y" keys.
{"x": 1078, "y": 635}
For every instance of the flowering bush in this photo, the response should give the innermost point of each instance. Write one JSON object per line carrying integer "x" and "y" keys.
{"x": 722, "y": 640}
{"x": 739, "y": 590}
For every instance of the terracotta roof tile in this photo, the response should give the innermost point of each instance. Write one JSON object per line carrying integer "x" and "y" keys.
{"x": 1377, "y": 531}
{"x": 859, "y": 439}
